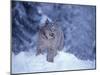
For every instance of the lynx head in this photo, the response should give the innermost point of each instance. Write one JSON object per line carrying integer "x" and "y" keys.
{"x": 49, "y": 30}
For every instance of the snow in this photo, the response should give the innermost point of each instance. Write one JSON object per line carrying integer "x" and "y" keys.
{"x": 26, "y": 62}
{"x": 44, "y": 17}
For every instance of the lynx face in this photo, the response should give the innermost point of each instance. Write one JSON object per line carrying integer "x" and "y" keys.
{"x": 50, "y": 33}
{"x": 50, "y": 38}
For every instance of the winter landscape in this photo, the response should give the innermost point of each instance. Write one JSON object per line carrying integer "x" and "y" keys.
{"x": 78, "y": 22}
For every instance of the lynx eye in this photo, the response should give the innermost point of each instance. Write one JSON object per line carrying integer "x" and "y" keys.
{"x": 53, "y": 28}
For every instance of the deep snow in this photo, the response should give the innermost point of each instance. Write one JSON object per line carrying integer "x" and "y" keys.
{"x": 26, "y": 62}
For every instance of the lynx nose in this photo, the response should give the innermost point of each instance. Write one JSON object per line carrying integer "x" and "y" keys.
{"x": 52, "y": 35}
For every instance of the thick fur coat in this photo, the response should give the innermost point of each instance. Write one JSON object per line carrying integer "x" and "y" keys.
{"x": 51, "y": 39}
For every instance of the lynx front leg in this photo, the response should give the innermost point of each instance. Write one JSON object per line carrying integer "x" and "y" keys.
{"x": 39, "y": 51}
{"x": 51, "y": 54}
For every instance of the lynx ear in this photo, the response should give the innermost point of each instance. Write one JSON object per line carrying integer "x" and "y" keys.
{"x": 47, "y": 22}
{"x": 54, "y": 23}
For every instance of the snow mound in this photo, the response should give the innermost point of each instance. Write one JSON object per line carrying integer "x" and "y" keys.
{"x": 25, "y": 63}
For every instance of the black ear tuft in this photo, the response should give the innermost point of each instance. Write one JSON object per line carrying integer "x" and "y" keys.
{"x": 47, "y": 22}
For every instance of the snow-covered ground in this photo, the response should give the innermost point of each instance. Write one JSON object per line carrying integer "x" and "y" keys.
{"x": 26, "y": 62}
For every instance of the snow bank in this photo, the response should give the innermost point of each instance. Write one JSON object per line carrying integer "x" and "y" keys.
{"x": 25, "y": 63}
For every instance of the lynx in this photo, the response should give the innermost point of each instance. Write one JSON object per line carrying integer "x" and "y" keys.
{"x": 51, "y": 39}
